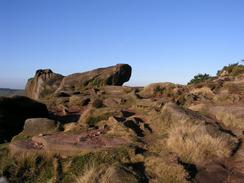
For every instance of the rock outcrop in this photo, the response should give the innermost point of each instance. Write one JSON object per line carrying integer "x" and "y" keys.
{"x": 44, "y": 83}
{"x": 13, "y": 113}
{"x": 164, "y": 132}
{"x": 114, "y": 75}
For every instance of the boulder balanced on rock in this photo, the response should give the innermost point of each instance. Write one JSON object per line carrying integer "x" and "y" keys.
{"x": 46, "y": 82}
{"x": 114, "y": 75}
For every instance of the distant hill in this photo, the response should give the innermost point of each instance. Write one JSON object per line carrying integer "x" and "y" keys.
{"x": 9, "y": 92}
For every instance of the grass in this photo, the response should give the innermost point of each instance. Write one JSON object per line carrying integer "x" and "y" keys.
{"x": 90, "y": 174}
{"x": 106, "y": 174}
{"x": 162, "y": 171}
{"x": 194, "y": 145}
{"x": 203, "y": 91}
{"x": 229, "y": 120}
{"x": 97, "y": 158}
{"x": 39, "y": 168}
{"x": 28, "y": 169}
{"x": 76, "y": 167}
{"x": 92, "y": 120}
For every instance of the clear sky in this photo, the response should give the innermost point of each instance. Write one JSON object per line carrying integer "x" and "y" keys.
{"x": 163, "y": 40}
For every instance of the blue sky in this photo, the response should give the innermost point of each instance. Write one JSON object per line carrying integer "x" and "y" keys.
{"x": 163, "y": 40}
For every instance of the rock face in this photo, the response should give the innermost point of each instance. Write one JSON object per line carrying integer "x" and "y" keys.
{"x": 44, "y": 82}
{"x": 114, "y": 75}
{"x": 14, "y": 111}
{"x": 36, "y": 126}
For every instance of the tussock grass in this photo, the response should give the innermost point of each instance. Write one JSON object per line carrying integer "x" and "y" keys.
{"x": 89, "y": 175}
{"x": 194, "y": 145}
{"x": 114, "y": 173}
{"x": 230, "y": 120}
{"x": 162, "y": 171}
{"x": 26, "y": 167}
{"x": 203, "y": 90}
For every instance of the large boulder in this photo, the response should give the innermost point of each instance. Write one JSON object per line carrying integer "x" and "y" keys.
{"x": 44, "y": 83}
{"x": 114, "y": 75}
{"x": 13, "y": 113}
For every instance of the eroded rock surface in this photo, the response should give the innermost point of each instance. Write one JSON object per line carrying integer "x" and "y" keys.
{"x": 66, "y": 144}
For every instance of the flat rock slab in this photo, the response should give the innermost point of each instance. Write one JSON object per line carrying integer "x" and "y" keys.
{"x": 67, "y": 144}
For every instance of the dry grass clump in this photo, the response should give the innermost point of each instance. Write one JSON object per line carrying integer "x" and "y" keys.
{"x": 194, "y": 144}
{"x": 75, "y": 100}
{"x": 195, "y": 137}
{"x": 162, "y": 171}
{"x": 232, "y": 117}
{"x": 26, "y": 167}
{"x": 203, "y": 91}
{"x": 105, "y": 174}
{"x": 89, "y": 175}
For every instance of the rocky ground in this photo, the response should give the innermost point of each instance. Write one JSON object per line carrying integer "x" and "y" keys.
{"x": 93, "y": 129}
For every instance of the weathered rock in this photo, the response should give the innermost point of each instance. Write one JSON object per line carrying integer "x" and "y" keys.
{"x": 44, "y": 83}
{"x": 36, "y": 126}
{"x": 66, "y": 144}
{"x": 93, "y": 115}
{"x": 14, "y": 111}
{"x": 114, "y": 75}
{"x": 115, "y": 128}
